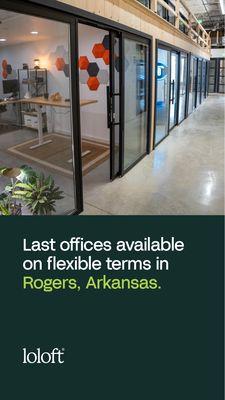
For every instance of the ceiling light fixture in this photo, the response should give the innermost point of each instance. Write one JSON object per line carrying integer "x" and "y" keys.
{"x": 222, "y": 6}
{"x": 34, "y": 32}
{"x": 2, "y": 40}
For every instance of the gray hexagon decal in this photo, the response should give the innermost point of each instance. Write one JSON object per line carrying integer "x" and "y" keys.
{"x": 84, "y": 76}
{"x": 93, "y": 69}
{"x": 103, "y": 76}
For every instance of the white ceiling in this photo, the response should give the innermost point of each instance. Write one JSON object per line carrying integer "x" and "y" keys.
{"x": 16, "y": 28}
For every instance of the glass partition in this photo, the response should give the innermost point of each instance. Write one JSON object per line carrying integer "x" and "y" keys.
{"x": 212, "y": 76}
{"x": 203, "y": 80}
{"x": 36, "y": 124}
{"x": 183, "y": 86}
{"x": 191, "y": 86}
{"x": 199, "y": 83}
{"x": 136, "y": 86}
{"x": 221, "y": 76}
{"x": 163, "y": 93}
{"x": 173, "y": 89}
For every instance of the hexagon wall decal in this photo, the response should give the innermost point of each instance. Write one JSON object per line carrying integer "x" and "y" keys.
{"x": 105, "y": 42}
{"x": 106, "y": 57}
{"x": 84, "y": 76}
{"x": 4, "y": 64}
{"x": 60, "y": 64}
{"x": 66, "y": 70}
{"x": 9, "y": 69}
{"x": 93, "y": 83}
{"x": 93, "y": 69}
{"x": 83, "y": 62}
{"x": 98, "y": 50}
{"x": 4, "y": 74}
{"x": 103, "y": 76}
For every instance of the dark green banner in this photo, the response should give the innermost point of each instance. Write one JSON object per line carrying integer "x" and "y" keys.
{"x": 139, "y": 321}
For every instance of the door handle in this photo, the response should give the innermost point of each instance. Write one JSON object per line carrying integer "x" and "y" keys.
{"x": 109, "y": 107}
{"x": 173, "y": 91}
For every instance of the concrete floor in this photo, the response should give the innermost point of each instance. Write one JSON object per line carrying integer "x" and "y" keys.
{"x": 184, "y": 175}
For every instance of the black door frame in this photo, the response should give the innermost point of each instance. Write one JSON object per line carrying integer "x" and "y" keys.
{"x": 199, "y": 59}
{"x": 219, "y": 76}
{"x": 186, "y": 88}
{"x": 41, "y": 11}
{"x": 163, "y": 45}
{"x": 55, "y": 10}
{"x": 148, "y": 42}
{"x": 111, "y": 94}
{"x": 177, "y": 91}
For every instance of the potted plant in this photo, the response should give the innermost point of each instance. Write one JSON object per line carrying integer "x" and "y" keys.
{"x": 38, "y": 193}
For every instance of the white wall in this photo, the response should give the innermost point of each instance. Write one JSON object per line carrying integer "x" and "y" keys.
{"x": 57, "y": 81}
{"x": 94, "y": 116}
{"x": 217, "y": 53}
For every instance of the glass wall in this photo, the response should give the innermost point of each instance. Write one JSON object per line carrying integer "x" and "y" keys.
{"x": 191, "y": 88}
{"x": 199, "y": 82}
{"x": 136, "y": 84}
{"x": 163, "y": 93}
{"x": 212, "y": 75}
{"x": 183, "y": 86}
{"x": 221, "y": 79}
{"x": 174, "y": 81}
{"x": 36, "y": 130}
{"x": 203, "y": 79}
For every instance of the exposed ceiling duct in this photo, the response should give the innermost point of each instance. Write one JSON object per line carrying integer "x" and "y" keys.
{"x": 210, "y": 13}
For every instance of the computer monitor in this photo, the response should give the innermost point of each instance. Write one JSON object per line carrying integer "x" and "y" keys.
{"x": 11, "y": 86}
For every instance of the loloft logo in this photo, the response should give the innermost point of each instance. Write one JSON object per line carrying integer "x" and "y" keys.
{"x": 55, "y": 356}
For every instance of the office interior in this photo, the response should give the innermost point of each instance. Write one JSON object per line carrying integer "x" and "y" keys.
{"x": 129, "y": 96}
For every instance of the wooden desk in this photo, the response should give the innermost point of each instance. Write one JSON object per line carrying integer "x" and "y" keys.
{"x": 39, "y": 102}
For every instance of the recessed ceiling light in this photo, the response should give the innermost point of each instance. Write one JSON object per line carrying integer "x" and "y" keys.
{"x": 34, "y": 33}
{"x": 2, "y": 40}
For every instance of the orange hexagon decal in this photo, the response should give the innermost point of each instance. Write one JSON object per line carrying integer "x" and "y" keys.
{"x": 4, "y": 64}
{"x": 83, "y": 62}
{"x": 106, "y": 57}
{"x": 93, "y": 83}
{"x": 60, "y": 63}
{"x": 4, "y": 74}
{"x": 98, "y": 50}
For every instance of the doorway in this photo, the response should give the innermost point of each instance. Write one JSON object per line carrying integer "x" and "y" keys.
{"x": 174, "y": 82}
{"x": 135, "y": 101}
{"x": 114, "y": 90}
{"x": 99, "y": 115}
{"x": 199, "y": 83}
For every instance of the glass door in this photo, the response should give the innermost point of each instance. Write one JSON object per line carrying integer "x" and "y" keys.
{"x": 203, "y": 79}
{"x": 136, "y": 100}
{"x": 162, "y": 95}
{"x": 173, "y": 89}
{"x": 221, "y": 77}
{"x": 212, "y": 75}
{"x": 191, "y": 86}
{"x": 199, "y": 82}
{"x": 194, "y": 93}
{"x": 113, "y": 100}
{"x": 183, "y": 86}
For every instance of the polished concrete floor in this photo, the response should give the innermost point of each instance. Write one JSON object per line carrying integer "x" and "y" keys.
{"x": 184, "y": 175}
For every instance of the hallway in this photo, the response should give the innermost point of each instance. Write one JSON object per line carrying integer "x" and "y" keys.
{"x": 184, "y": 175}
